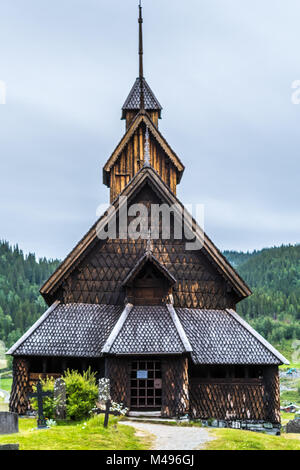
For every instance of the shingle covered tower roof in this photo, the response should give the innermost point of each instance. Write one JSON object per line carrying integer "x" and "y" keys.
{"x": 133, "y": 101}
{"x": 141, "y": 97}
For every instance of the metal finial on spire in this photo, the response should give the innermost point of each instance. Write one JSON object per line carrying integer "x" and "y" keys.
{"x": 141, "y": 52}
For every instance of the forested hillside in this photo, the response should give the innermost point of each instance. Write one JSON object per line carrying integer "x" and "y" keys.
{"x": 274, "y": 277}
{"x": 20, "y": 279}
{"x": 273, "y": 274}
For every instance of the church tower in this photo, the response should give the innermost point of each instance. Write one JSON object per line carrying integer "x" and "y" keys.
{"x": 142, "y": 143}
{"x": 152, "y": 315}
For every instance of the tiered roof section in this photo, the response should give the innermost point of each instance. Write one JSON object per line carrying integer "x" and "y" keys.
{"x": 213, "y": 337}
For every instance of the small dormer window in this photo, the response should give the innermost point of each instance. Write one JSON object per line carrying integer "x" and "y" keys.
{"x": 149, "y": 282}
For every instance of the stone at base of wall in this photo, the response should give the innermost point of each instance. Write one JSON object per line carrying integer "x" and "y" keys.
{"x": 9, "y": 422}
{"x": 256, "y": 426}
{"x": 9, "y": 447}
{"x": 293, "y": 426}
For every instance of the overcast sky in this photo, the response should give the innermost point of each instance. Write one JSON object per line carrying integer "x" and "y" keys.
{"x": 223, "y": 72}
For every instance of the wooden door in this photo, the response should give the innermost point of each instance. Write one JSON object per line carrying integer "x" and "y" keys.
{"x": 146, "y": 385}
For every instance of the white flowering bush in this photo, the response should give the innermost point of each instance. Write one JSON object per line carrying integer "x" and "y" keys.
{"x": 50, "y": 423}
{"x": 118, "y": 408}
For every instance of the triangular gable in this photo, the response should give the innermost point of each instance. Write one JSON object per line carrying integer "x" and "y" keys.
{"x": 148, "y": 257}
{"x": 142, "y": 116}
{"x": 144, "y": 175}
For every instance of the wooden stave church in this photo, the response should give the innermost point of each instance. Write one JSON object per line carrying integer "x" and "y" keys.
{"x": 127, "y": 307}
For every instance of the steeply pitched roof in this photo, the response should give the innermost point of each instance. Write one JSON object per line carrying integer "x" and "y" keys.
{"x": 142, "y": 117}
{"x": 148, "y": 330}
{"x": 133, "y": 101}
{"x": 89, "y": 330}
{"x": 70, "y": 330}
{"x": 147, "y": 173}
{"x": 222, "y": 337}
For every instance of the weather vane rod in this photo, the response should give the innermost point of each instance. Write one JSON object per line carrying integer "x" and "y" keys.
{"x": 141, "y": 52}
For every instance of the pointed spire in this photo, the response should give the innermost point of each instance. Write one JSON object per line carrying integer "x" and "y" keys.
{"x": 141, "y": 53}
{"x": 141, "y": 97}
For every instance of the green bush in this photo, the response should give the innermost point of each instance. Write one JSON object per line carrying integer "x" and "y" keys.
{"x": 81, "y": 391}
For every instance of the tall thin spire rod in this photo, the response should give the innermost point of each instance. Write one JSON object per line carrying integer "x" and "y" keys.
{"x": 141, "y": 52}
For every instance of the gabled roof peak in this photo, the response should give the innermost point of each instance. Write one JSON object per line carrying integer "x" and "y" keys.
{"x": 148, "y": 257}
{"x": 142, "y": 117}
{"x": 145, "y": 175}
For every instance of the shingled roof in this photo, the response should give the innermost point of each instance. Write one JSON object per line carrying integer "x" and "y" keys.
{"x": 133, "y": 101}
{"x": 69, "y": 330}
{"x": 145, "y": 174}
{"x": 89, "y": 330}
{"x": 148, "y": 329}
{"x": 222, "y": 337}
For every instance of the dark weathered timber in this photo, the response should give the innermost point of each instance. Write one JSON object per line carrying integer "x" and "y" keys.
{"x": 18, "y": 401}
{"x": 175, "y": 401}
{"x": 146, "y": 178}
{"x": 178, "y": 347}
{"x": 117, "y": 369}
{"x": 128, "y": 157}
{"x": 237, "y": 399}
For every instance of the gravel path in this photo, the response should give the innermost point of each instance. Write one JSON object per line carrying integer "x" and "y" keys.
{"x": 173, "y": 437}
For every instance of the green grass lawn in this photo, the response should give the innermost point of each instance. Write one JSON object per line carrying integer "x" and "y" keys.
{"x": 292, "y": 365}
{"x": 92, "y": 436}
{"x": 5, "y": 384}
{"x": 233, "y": 439}
{"x": 76, "y": 436}
{"x": 291, "y": 396}
{"x": 286, "y": 417}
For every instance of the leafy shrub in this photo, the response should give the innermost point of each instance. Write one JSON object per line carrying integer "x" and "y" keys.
{"x": 82, "y": 393}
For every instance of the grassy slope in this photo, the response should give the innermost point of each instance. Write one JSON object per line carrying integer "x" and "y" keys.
{"x": 72, "y": 436}
{"x": 5, "y": 384}
{"x": 233, "y": 439}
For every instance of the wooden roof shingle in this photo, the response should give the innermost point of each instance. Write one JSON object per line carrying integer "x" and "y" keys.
{"x": 145, "y": 174}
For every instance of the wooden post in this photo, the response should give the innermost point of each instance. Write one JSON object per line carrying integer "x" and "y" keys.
{"x": 106, "y": 413}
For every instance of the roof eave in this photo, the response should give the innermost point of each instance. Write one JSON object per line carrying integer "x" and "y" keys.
{"x": 260, "y": 338}
{"x": 129, "y": 190}
{"x": 23, "y": 338}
